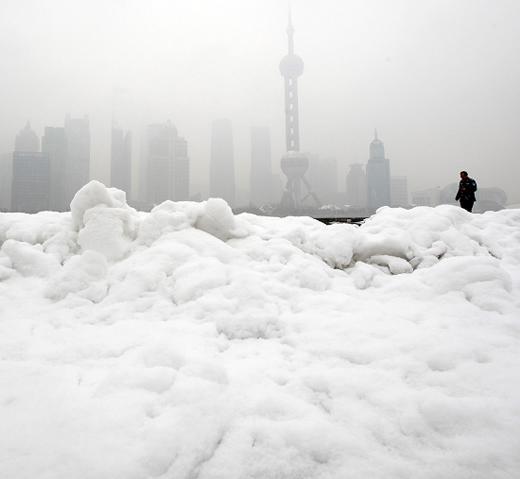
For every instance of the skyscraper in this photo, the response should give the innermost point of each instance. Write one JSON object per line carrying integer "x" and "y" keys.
{"x": 323, "y": 172}
{"x": 378, "y": 176}
{"x": 222, "y": 165}
{"x": 54, "y": 144}
{"x": 77, "y": 165}
{"x": 294, "y": 164}
{"x": 121, "y": 160}
{"x": 181, "y": 171}
{"x": 356, "y": 186}
{"x": 27, "y": 140}
{"x": 261, "y": 191}
{"x": 30, "y": 180}
{"x": 167, "y": 164}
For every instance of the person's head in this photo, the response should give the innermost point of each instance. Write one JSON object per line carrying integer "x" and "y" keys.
{"x": 463, "y": 174}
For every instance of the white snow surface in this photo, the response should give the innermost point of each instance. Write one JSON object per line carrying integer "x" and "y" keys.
{"x": 191, "y": 343}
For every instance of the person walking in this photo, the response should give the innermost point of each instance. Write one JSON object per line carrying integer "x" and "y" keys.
{"x": 466, "y": 193}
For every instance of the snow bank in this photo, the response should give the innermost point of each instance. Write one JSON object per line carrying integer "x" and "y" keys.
{"x": 189, "y": 342}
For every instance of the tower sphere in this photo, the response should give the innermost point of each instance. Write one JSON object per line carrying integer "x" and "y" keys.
{"x": 294, "y": 165}
{"x": 291, "y": 66}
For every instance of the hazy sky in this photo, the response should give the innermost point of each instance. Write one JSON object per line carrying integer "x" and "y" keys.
{"x": 439, "y": 79}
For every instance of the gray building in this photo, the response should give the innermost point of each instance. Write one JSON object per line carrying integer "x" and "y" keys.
{"x": 27, "y": 140}
{"x": 30, "y": 186}
{"x": 54, "y": 144}
{"x": 167, "y": 164}
{"x": 323, "y": 175}
{"x": 356, "y": 186}
{"x": 30, "y": 174}
{"x": 6, "y": 176}
{"x": 261, "y": 188}
{"x": 378, "y": 176}
{"x": 222, "y": 163}
{"x": 77, "y": 165}
{"x": 121, "y": 160}
{"x": 399, "y": 191}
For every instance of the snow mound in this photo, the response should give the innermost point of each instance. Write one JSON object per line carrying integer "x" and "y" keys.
{"x": 191, "y": 342}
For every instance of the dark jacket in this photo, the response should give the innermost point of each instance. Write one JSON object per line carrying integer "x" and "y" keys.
{"x": 467, "y": 188}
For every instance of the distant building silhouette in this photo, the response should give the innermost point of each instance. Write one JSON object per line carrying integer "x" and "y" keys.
{"x": 6, "y": 176}
{"x": 261, "y": 187}
{"x": 181, "y": 173}
{"x": 356, "y": 185}
{"x": 27, "y": 140}
{"x": 121, "y": 160}
{"x": 399, "y": 191}
{"x": 378, "y": 176}
{"x": 54, "y": 144}
{"x": 77, "y": 164}
{"x": 167, "y": 164}
{"x": 323, "y": 175}
{"x": 428, "y": 197}
{"x": 30, "y": 180}
{"x": 222, "y": 163}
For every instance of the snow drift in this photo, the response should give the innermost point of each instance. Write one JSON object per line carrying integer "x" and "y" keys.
{"x": 191, "y": 343}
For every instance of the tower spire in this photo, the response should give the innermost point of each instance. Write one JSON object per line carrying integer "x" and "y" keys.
{"x": 375, "y": 134}
{"x": 290, "y": 31}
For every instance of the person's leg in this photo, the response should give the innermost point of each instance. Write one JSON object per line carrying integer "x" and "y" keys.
{"x": 467, "y": 205}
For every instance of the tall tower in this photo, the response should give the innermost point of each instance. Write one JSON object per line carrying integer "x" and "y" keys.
{"x": 294, "y": 164}
{"x": 378, "y": 176}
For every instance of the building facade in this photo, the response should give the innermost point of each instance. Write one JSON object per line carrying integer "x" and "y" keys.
{"x": 399, "y": 192}
{"x": 167, "y": 164}
{"x": 356, "y": 186}
{"x": 30, "y": 185}
{"x": 378, "y": 176}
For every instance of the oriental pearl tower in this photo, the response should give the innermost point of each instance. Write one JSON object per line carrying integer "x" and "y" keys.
{"x": 294, "y": 164}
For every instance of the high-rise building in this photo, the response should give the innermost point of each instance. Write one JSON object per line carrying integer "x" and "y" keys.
{"x": 294, "y": 164}
{"x": 77, "y": 164}
{"x": 121, "y": 160}
{"x": 222, "y": 165}
{"x": 399, "y": 191}
{"x": 323, "y": 173}
{"x": 261, "y": 191}
{"x": 6, "y": 176}
{"x": 181, "y": 171}
{"x": 378, "y": 176}
{"x": 30, "y": 180}
{"x": 54, "y": 144}
{"x": 27, "y": 140}
{"x": 167, "y": 164}
{"x": 356, "y": 186}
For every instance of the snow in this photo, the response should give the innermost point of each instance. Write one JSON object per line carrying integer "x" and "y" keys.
{"x": 191, "y": 343}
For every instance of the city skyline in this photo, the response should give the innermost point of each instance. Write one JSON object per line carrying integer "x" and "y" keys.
{"x": 448, "y": 137}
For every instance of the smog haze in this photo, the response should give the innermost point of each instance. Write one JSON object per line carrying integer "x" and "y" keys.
{"x": 439, "y": 79}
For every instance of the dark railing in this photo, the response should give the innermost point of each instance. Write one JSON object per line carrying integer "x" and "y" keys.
{"x": 351, "y": 220}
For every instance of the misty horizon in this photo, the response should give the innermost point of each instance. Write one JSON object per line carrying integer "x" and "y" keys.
{"x": 437, "y": 80}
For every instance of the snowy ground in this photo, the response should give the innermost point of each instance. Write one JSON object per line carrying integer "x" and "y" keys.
{"x": 189, "y": 343}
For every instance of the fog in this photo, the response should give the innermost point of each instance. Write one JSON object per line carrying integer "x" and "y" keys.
{"x": 439, "y": 79}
